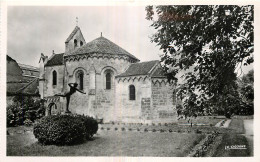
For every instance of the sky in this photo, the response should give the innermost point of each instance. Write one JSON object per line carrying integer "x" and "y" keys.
{"x": 34, "y": 30}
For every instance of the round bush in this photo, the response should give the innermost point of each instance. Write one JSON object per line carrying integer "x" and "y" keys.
{"x": 90, "y": 126}
{"x": 64, "y": 129}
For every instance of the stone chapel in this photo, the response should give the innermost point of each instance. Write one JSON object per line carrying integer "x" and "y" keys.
{"x": 118, "y": 86}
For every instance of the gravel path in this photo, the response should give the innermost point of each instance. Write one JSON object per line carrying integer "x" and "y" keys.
{"x": 249, "y": 134}
{"x": 225, "y": 125}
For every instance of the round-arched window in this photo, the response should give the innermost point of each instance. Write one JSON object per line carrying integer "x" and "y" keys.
{"x": 108, "y": 80}
{"x": 54, "y": 78}
{"x": 131, "y": 92}
{"x": 80, "y": 79}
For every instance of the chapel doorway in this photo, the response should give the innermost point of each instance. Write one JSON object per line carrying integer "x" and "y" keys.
{"x": 52, "y": 109}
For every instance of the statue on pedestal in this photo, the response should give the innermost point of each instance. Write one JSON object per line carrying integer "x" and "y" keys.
{"x": 73, "y": 89}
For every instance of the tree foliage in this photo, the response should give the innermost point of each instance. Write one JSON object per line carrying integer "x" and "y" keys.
{"x": 203, "y": 46}
{"x": 24, "y": 110}
{"x": 246, "y": 89}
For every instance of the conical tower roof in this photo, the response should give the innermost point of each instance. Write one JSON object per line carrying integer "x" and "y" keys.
{"x": 101, "y": 45}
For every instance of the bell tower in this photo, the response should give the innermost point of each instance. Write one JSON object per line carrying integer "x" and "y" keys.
{"x": 75, "y": 39}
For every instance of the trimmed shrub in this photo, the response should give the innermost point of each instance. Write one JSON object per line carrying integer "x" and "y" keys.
{"x": 90, "y": 126}
{"x": 122, "y": 128}
{"x": 64, "y": 129}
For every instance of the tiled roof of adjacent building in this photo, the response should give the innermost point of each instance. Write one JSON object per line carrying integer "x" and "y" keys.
{"x": 8, "y": 58}
{"x": 103, "y": 46}
{"x": 24, "y": 88}
{"x": 23, "y": 66}
{"x": 142, "y": 68}
{"x": 158, "y": 73}
{"x": 57, "y": 59}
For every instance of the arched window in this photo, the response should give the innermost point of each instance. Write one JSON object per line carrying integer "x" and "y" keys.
{"x": 81, "y": 43}
{"x": 75, "y": 43}
{"x": 80, "y": 79}
{"x": 54, "y": 78}
{"x": 108, "y": 80}
{"x": 131, "y": 92}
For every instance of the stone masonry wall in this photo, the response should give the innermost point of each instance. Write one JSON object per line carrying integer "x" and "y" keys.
{"x": 130, "y": 110}
{"x": 103, "y": 103}
{"x": 163, "y": 106}
{"x": 49, "y": 89}
{"x": 146, "y": 108}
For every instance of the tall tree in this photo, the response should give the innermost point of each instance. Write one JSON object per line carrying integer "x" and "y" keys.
{"x": 246, "y": 90}
{"x": 204, "y": 45}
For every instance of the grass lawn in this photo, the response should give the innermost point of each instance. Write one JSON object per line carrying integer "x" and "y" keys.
{"x": 237, "y": 125}
{"x": 112, "y": 141}
{"x": 232, "y": 140}
{"x": 109, "y": 143}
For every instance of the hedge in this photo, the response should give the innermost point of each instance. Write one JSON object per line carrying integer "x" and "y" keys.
{"x": 64, "y": 129}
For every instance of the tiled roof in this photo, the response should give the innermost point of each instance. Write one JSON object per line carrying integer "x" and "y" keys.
{"x": 23, "y": 88}
{"x": 12, "y": 87}
{"x": 72, "y": 34}
{"x": 103, "y": 46}
{"x": 23, "y": 66}
{"x": 142, "y": 68}
{"x": 8, "y": 58}
{"x": 158, "y": 73}
{"x": 57, "y": 59}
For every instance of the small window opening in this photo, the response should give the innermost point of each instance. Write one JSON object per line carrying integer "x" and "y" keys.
{"x": 132, "y": 92}
{"x": 54, "y": 78}
{"x": 75, "y": 43}
{"x": 108, "y": 81}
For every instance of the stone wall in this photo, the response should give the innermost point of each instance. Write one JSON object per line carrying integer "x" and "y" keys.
{"x": 146, "y": 108}
{"x": 153, "y": 101}
{"x": 98, "y": 102}
{"x": 163, "y": 102}
{"x": 130, "y": 110}
{"x": 49, "y": 89}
